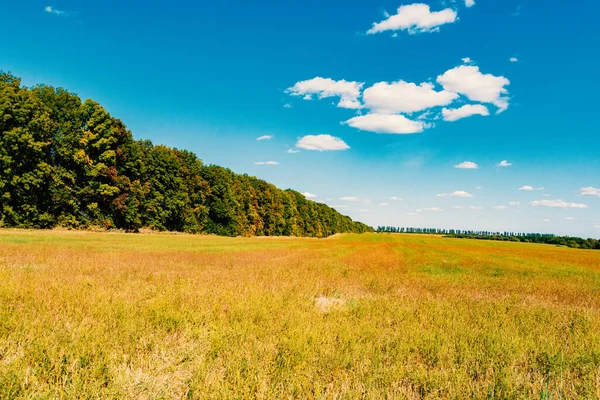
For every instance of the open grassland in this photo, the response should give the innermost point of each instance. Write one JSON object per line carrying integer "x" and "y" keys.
{"x": 98, "y": 315}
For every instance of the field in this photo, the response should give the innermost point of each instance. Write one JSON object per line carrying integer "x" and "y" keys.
{"x": 101, "y": 315}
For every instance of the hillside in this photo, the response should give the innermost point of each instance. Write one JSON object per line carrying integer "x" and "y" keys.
{"x": 69, "y": 163}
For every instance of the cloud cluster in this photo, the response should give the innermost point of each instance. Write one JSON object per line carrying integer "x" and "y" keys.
{"x": 321, "y": 143}
{"x": 348, "y": 92}
{"x": 556, "y": 204}
{"x": 590, "y": 191}
{"x": 52, "y": 10}
{"x": 415, "y": 18}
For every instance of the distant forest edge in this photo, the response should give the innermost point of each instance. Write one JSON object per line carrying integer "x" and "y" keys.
{"x": 574, "y": 242}
{"x": 64, "y": 162}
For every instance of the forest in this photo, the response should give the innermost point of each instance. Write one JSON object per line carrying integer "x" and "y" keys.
{"x": 68, "y": 163}
{"x": 569, "y": 241}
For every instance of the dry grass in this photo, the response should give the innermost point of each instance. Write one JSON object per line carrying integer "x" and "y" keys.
{"x": 97, "y": 315}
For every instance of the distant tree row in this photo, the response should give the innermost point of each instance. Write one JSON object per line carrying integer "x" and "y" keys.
{"x": 575, "y": 242}
{"x": 64, "y": 162}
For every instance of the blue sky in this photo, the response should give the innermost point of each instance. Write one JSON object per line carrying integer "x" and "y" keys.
{"x": 398, "y": 105}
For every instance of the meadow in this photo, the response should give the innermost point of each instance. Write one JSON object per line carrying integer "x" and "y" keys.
{"x": 373, "y": 316}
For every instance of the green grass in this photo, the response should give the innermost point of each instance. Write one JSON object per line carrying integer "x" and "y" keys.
{"x": 97, "y": 315}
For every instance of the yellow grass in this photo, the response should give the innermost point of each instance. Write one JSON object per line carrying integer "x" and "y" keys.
{"x": 98, "y": 315}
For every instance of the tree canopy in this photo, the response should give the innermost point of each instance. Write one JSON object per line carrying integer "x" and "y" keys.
{"x": 67, "y": 162}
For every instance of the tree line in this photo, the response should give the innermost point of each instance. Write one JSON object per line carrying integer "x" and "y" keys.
{"x": 68, "y": 163}
{"x": 569, "y": 241}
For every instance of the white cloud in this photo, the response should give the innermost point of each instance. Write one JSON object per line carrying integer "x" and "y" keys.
{"x": 54, "y": 11}
{"x": 467, "y": 60}
{"x": 287, "y": 105}
{"x": 596, "y": 226}
{"x": 479, "y": 188}
{"x": 457, "y": 207}
{"x": 383, "y": 204}
{"x": 546, "y": 220}
{"x": 339, "y": 206}
{"x": 396, "y": 198}
{"x": 556, "y": 204}
{"x": 467, "y": 165}
{"x": 514, "y": 59}
{"x": 459, "y": 193}
{"x": 477, "y": 208}
{"x": 571, "y": 219}
{"x": 469, "y": 3}
{"x": 454, "y": 114}
{"x": 349, "y": 92}
{"x": 415, "y": 18}
{"x": 547, "y": 194}
{"x": 321, "y": 143}
{"x": 292, "y": 151}
{"x": 404, "y": 97}
{"x": 265, "y": 137}
{"x": 434, "y": 209}
{"x": 504, "y": 163}
{"x": 266, "y": 163}
{"x": 500, "y": 208}
{"x": 468, "y": 80}
{"x": 514, "y": 203}
{"x": 384, "y": 123}
{"x": 590, "y": 191}
{"x": 349, "y": 198}
{"x": 412, "y": 214}
{"x": 528, "y": 188}
{"x": 309, "y": 195}
{"x": 363, "y": 211}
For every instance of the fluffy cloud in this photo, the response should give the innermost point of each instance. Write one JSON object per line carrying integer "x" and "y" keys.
{"x": 434, "y": 209}
{"x": 309, "y": 195}
{"x": 321, "y": 143}
{"x": 404, "y": 97}
{"x": 514, "y": 59}
{"x": 590, "y": 191}
{"x": 467, "y": 60}
{"x": 504, "y": 163}
{"x": 349, "y": 92}
{"x": 469, "y": 81}
{"x": 396, "y": 198}
{"x": 477, "y": 208}
{"x": 459, "y": 193}
{"x": 52, "y": 10}
{"x": 454, "y": 114}
{"x": 415, "y": 18}
{"x": 292, "y": 151}
{"x": 349, "y": 198}
{"x": 469, "y": 3}
{"x": 467, "y": 165}
{"x": 514, "y": 203}
{"x": 385, "y": 123}
{"x": 556, "y": 204}
{"x": 265, "y": 137}
{"x": 266, "y": 163}
{"x": 528, "y": 188}
{"x": 383, "y": 204}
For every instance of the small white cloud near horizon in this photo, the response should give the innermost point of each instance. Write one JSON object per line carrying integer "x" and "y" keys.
{"x": 386, "y": 123}
{"x": 347, "y": 91}
{"x": 309, "y": 195}
{"x": 458, "y": 194}
{"x": 467, "y": 165}
{"x": 514, "y": 203}
{"x": 477, "y": 208}
{"x": 433, "y": 209}
{"x": 382, "y": 204}
{"x": 266, "y": 163}
{"x": 571, "y": 219}
{"x": 415, "y": 18}
{"x": 52, "y": 10}
{"x": 293, "y": 151}
{"x": 265, "y": 137}
{"x": 546, "y": 220}
{"x": 467, "y": 60}
{"x": 513, "y": 59}
{"x": 557, "y": 204}
{"x": 469, "y": 3}
{"x": 363, "y": 211}
{"x": 321, "y": 143}
{"x": 350, "y": 198}
{"x": 528, "y": 188}
{"x": 504, "y": 164}
{"x": 468, "y": 110}
{"x": 395, "y": 198}
{"x": 500, "y": 208}
{"x": 590, "y": 191}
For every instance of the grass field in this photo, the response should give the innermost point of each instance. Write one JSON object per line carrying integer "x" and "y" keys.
{"x": 100, "y": 315}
